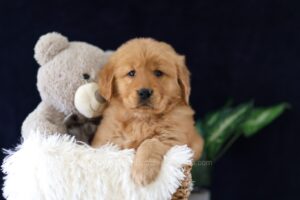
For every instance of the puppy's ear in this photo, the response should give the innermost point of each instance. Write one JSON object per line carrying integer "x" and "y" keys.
{"x": 183, "y": 78}
{"x": 106, "y": 78}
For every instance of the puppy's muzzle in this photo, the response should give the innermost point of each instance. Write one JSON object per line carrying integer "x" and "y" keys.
{"x": 144, "y": 93}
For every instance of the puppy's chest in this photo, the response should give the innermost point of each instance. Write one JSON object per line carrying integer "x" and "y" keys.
{"x": 134, "y": 133}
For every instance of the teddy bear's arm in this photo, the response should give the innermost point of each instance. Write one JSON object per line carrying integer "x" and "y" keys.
{"x": 43, "y": 119}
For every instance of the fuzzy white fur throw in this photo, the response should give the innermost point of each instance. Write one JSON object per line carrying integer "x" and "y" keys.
{"x": 55, "y": 167}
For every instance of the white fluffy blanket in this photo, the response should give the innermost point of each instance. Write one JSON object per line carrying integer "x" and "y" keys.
{"x": 55, "y": 167}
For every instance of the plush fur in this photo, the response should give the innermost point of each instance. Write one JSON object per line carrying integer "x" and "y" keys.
{"x": 63, "y": 67}
{"x": 53, "y": 167}
{"x": 154, "y": 124}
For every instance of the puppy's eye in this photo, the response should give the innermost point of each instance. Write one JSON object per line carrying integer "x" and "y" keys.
{"x": 131, "y": 73}
{"x": 86, "y": 76}
{"x": 158, "y": 73}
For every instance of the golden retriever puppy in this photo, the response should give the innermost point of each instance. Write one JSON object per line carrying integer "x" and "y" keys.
{"x": 147, "y": 86}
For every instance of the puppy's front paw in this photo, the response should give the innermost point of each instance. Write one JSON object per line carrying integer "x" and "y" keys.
{"x": 145, "y": 172}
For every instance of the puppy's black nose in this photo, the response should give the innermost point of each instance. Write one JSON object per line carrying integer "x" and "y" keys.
{"x": 144, "y": 93}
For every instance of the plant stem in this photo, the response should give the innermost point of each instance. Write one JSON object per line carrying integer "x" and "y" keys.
{"x": 226, "y": 147}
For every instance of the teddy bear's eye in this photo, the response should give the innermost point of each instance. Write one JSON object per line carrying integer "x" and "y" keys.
{"x": 86, "y": 76}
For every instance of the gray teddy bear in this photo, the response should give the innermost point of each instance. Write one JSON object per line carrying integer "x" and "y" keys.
{"x": 66, "y": 68}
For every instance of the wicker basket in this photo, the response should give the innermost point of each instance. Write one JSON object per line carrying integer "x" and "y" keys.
{"x": 184, "y": 191}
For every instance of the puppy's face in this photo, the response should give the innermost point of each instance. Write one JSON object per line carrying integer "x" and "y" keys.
{"x": 146, "y": 76}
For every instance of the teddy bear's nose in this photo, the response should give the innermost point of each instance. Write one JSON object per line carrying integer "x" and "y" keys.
{"x": 145, "y": 93}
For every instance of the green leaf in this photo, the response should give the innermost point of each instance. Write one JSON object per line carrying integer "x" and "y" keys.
{"x": 225, "y": 123}
{"x": 199, "y": 128}
{"x": 261, "y": 117}
{"x": 213, "y": 117}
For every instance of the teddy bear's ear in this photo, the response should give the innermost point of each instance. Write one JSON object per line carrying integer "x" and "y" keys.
{"x": 48, "y": 46}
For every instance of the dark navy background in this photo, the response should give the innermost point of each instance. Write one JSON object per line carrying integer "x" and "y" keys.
{"x": 234, "y": 49}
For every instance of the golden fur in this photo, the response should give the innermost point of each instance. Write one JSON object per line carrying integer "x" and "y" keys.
{"x": 153, "y": 128}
